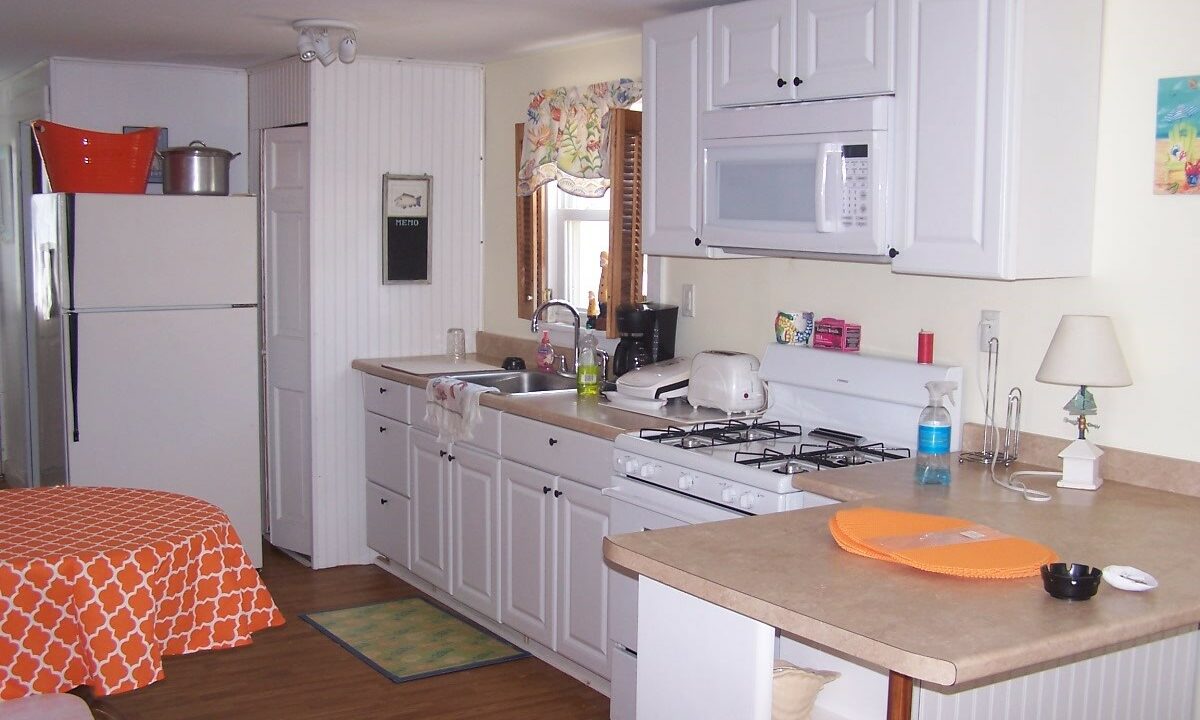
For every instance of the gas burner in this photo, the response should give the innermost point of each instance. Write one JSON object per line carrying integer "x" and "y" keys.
{"x": 728, "y": 432}
{"x": 775, "y": 461}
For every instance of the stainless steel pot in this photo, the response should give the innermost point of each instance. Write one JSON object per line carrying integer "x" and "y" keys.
{"x": 196, "y": 170}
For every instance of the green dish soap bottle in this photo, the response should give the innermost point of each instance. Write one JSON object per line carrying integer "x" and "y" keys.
{"x": 587, "y": 373}
{"x": 933, "y": 435}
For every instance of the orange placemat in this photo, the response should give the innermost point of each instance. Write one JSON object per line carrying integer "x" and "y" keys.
{"x": 98, "y": 584}
{"x": 937, "y": 543}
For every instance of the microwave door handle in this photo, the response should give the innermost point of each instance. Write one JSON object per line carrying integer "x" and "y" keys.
{"x": 829, "y": 186}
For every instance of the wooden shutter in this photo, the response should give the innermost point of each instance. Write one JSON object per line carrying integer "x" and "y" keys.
{"x": 531, "y": 242}
{"x": 625, "y": 257}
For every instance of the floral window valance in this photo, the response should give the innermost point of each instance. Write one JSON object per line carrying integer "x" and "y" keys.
{"x": 566, "y": 137}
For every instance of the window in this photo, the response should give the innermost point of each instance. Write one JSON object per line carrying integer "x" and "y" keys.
{"x": 560, "y": 236}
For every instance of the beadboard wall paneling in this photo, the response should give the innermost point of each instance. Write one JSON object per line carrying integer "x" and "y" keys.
{"x": 367, "y": 119}
{"x": 278, "y": 97}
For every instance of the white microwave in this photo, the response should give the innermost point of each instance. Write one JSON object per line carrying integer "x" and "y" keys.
{"x": 809, "y": 178}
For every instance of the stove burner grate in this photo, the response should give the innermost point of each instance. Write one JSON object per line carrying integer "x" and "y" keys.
{"x": 809, "y": 457}
{"x": 728, "y": 432}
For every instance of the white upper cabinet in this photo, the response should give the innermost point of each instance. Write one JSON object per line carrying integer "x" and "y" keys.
{"x": 675, "y": 78}
{"x": 997, "y": 108}
{"x": 773, "y": 51}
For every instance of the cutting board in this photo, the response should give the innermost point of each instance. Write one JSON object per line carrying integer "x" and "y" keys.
{"x": 436, "y": 365}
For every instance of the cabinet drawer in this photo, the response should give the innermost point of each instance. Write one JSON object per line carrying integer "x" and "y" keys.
{"x": 485, "y": 435}
{"x": 557, "y": 450}
{"x": 387, "y": 453}
{"x": 385, "y": 397}
{"x": 387, "y": 523}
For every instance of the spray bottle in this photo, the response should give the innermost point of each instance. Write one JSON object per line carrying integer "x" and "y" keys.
{"x": 933, "y": 435}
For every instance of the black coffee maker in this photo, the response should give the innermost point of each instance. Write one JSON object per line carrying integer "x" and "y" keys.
{"x": 647, "y": 332}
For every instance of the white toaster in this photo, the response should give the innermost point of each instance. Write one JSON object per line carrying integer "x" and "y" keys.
{"x": 727, "y": 381}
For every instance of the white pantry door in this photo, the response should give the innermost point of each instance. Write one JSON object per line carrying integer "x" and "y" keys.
{"x": 286, "y": 319}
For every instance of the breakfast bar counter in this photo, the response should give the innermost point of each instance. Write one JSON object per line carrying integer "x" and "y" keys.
{"x": 937, "y": 628}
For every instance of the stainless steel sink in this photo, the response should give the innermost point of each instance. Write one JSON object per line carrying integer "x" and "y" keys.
{"x": 520, "y": 382}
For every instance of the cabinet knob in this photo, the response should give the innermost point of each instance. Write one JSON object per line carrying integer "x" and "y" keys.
{"x": 545, "y": 489}
{"x": 781, "y": 82}
{"x": 382, "y": 429}
{"x": 893, "y": 252}
{"x": 796, "y": 81}
{"x": 383, "y": 501}
{"x": 558, "y": 493}
{"x": 442, "y": 453}
{"x": 382, "y": 390}
{"x": 553, "y": 442}
{"x": 697, "y": 242}
{"x": 450, "y": 458}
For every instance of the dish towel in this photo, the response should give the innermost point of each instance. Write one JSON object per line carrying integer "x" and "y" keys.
{"x": 936, "y": 543}
{"x": 453, "y": 406}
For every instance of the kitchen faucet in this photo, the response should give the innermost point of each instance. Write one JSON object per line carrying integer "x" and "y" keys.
{"x": 534, "y": 324}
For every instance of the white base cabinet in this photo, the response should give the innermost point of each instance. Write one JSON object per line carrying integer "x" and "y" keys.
{"x": 388, "y": 502}
{"x": 475, "y": 529}
{"x": 996, "y": 137}
{"x": 430, "y": 477}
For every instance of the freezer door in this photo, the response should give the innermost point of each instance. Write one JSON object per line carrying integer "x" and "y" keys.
{"x": 168, "y": 400}
{"x": 161, "y": 251}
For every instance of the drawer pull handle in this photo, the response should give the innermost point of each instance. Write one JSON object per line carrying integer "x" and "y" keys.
{"x": 382, "y": 429}
{"x": 553, "y": 442}
{"x": 382, "y": 390}
{"x": 545, "y": 490}
{"x": 558, "y": 493}
{"x": 442, "y": 453}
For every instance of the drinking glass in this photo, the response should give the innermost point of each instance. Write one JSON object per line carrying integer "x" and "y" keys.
{"x": 456, "y": 344}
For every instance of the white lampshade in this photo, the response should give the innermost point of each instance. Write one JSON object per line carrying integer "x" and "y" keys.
{"x": 1085, "y": 351}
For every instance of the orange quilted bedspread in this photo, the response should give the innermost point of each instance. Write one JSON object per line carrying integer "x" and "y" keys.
{"x": 98, "y": 584}
{"x": 936, "y": 543}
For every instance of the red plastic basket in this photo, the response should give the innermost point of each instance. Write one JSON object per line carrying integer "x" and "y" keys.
{"x": 79, "y": 160}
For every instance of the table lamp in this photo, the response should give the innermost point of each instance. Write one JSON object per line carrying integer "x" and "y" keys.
{"x": 1083, "y": 352}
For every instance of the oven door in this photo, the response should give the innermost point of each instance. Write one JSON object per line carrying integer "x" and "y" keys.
{"x": 634, "y": 507}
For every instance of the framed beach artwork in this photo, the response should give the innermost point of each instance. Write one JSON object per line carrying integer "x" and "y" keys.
{"x": 406, "y": 251}
{"x": 1176, "y": 146}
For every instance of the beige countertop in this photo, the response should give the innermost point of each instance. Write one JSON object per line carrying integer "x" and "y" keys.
{"x": 563, "y": 409}
{"x": 785, "y": 570}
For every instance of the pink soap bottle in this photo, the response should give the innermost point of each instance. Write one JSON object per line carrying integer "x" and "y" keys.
{"x": 545, "y": 354}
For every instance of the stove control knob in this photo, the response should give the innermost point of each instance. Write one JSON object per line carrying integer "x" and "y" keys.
{"x": 686, "y": 481}
{"x": 648, "y": 470}
{"x": 630, "y": 465}
{"x": 729, "y": 494}
{"x": 746, "y": 501}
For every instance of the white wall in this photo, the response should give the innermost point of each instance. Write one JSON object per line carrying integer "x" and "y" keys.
{"x": 506, "y": 100}
{"x": 1146, "y": 251}
{"x": 373, "y": 117}
{"x": 193, "y": 103}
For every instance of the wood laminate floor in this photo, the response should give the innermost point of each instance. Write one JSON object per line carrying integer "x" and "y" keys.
{"x": 295, "y": 673}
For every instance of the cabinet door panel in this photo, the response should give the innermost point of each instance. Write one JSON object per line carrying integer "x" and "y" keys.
{"x": 475, "y": 498}
{"x": 843, "y": 48}
{"x": 387, "y": 453}
{"x": 430, "y": 509}
{"x": 675, "y": 75}
{"x": 388, "y": 524}
{"x": 582, "y": 576}
{"x": 527, "y": 551}
{"x": 752, "y": 51}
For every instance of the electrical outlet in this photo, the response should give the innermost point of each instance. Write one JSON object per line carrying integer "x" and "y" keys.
{"x": 989, "y": 327}
{"x": 689, "y": 300}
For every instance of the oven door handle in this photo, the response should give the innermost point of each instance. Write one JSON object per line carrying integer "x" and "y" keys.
{"x": 669, "y": 510}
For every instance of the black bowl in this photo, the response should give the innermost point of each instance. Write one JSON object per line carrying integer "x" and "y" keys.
{"x": 1071, "y": 581}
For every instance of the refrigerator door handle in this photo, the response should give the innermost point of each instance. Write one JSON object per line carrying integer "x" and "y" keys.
{"x": 73, "y": 369}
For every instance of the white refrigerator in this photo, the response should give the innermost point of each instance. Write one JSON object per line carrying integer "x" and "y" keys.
{"x": 143, "y": 353}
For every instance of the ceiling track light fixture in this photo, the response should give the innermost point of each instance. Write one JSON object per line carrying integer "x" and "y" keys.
{"x": 314, "y": 42}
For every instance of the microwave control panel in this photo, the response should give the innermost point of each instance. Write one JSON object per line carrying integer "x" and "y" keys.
{"x": 856, "y": 187}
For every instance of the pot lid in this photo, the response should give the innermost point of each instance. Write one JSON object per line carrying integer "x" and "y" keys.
{"x": 198, "y": 149}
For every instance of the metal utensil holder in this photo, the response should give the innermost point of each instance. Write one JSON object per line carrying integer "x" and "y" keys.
{"x": 1007, "y": 454}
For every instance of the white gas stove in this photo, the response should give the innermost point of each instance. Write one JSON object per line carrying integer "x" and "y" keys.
{"x": 826, "y": 410}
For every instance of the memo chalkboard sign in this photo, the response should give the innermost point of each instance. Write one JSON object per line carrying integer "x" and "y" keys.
{"x": 406, "y": 251}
